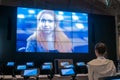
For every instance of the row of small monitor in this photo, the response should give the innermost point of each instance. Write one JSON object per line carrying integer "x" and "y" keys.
{"x": 46, "y": 65}
{"x": 13, "y": 64}
{"x": 67, "y": 70}
{"x": 63, "y": 71}
{"x": 67, "y": 64}
{"x": 23, "y": 67}
{"x": 20, "y": 67}
{"x": 35, "y": 71}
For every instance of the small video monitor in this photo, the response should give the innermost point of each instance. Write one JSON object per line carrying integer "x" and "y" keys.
{"x": 81, "y": 68}
{"x": 80, "y": 64}
{"x": 30, "y": 72}
{"x": 10, "y": 63}
{"x": 30, "y": 64}
{"x": 67, "y": 72}
{"x": 46, "y": 67}
{"x": 21, "y": 67}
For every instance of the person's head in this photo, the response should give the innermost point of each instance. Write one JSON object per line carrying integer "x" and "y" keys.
{"x": 46, "y": 21}
{"x": 47, "y": 25}
{"x": 100, "y": 49}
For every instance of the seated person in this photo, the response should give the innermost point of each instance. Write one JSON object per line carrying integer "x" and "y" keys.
{"x": 100, "y": 67}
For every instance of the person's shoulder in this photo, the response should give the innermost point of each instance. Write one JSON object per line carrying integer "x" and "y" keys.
{"x": 111, "y": 61}
{"x": 92, "y": 61}
{"x": 31, "y": 38}
{"x": 98, "y": 62}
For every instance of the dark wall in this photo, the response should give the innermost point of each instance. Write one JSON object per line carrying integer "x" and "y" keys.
{"x": 101, "y": 28}
{"x": 7, "y": 32}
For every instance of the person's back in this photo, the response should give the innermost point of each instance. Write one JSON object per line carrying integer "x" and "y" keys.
{"x": 100, "y": 67}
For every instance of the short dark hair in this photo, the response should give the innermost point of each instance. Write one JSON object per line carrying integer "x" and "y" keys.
{"x": 100, "y": 48}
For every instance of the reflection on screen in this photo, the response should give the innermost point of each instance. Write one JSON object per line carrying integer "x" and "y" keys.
{"x": 30, "y": 72}
{"x": 68, "y": 71}
{"x": 71, "y": 31}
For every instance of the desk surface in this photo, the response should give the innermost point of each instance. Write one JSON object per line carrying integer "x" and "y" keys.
{"x": 45, "y": 77}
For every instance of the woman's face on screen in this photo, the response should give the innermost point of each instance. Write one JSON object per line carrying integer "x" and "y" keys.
{"x": 46, "y": 23}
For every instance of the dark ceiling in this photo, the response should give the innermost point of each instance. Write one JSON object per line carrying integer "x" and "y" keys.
{"x": 108, "y": 7}
{"x": 105, "y": 7}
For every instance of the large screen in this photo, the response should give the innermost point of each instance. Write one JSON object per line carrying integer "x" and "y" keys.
{"x": 41, "y": 30}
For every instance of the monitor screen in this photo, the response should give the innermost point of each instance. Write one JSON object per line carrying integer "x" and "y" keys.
{"x": 10, "y": 63}
{"x": 67, "y": 72}
{"x": 46, "y": 67}
{"x": 21, "y": 67}
{"x": 41, "y": 30}
{"x": 80, "y": 64}
{"x": 30, "y": 64}
{"x": 30, "y": 72}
